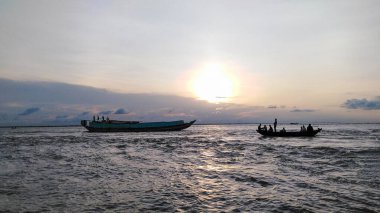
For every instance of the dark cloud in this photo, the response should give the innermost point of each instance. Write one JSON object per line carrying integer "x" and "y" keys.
{"x": 67, "y": 94}
{"x": 30, "y": 111}
{"x": 362, "y": 104}
{"x": 302, "y": 110}
{"x": 120, "y": 111}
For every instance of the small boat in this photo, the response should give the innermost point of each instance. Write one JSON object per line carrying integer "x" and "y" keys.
{"x": 134, "y": 126}
{"x": 289, "y": 134}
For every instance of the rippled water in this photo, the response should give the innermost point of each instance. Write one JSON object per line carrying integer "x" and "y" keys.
{"x": 204, "y": 168}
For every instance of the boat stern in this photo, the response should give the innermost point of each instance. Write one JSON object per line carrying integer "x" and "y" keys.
{"x": 84, "y": 123}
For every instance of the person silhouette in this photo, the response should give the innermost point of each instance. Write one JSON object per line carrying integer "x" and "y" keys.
{"x": 309, "y": 128}
{"x": 270, "y": 129}
{"x": 275, "y": 125}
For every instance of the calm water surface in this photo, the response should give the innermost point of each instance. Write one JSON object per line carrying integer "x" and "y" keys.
{"x": 202, "y": 169}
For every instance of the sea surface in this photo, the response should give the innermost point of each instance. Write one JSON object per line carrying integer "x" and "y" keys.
{"x": 205, "y": 168}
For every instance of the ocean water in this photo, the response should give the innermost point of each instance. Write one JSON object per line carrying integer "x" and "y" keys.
{"x": 205, "y": 168}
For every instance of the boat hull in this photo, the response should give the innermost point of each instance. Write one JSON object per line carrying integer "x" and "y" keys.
{"x": 92, "y": 126}
{"x": 290, "y": 134}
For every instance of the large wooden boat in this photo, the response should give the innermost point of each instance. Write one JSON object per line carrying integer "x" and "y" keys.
{"x": 289, "y": 134}
{"x": 134, "y": 126}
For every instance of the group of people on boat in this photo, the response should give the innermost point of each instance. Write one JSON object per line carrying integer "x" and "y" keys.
{"x": 308, "y": 129}
{"x": 103, "y": 120}
{"x": 271, "y": 130}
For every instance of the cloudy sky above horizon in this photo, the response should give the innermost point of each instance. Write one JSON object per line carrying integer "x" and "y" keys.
{"x": 300, "y": 60}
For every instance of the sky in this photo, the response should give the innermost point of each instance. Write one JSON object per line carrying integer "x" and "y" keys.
{"x": 214, "y": 61}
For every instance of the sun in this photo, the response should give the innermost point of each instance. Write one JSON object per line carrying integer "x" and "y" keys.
{"x": 213, "y": 84}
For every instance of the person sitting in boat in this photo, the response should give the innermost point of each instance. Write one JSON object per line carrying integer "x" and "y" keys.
{"x": 259, "y": 127}
{"x": 265, "y": 128}
{"x": 93, "y": 118}
{"x": 303, "y": 129}
{"x": 108, "y": 119}
{"x": 98, "y": 117}
{"x": 103, "y": 118}
{"x": 283, "y": 130}
{"x": 270, "y": 129}
{"x": 310, "y": 128}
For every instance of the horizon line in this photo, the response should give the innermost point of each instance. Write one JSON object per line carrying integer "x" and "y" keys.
{"x": 200, "y": 124}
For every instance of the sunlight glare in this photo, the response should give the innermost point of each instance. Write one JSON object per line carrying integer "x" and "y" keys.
{"x": 213, "y": 84}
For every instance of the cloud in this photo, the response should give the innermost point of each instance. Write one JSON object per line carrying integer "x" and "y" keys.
{"x": 179, "y": 114}
{"x": 59, "y": 117}
{"x": 3, "y": 116}
{"x": 121, "y": 111}
{"x": 84, "y": 102}
{"x": 30, "y": 111}
{"x": 302, "y": 110}
{"x": 108, "y": 112}
{"x": 83, "y": 114}
{"x": 362, "y": 104}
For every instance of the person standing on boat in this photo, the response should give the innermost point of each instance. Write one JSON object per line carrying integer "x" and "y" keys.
{"x": 275, "y": 125}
